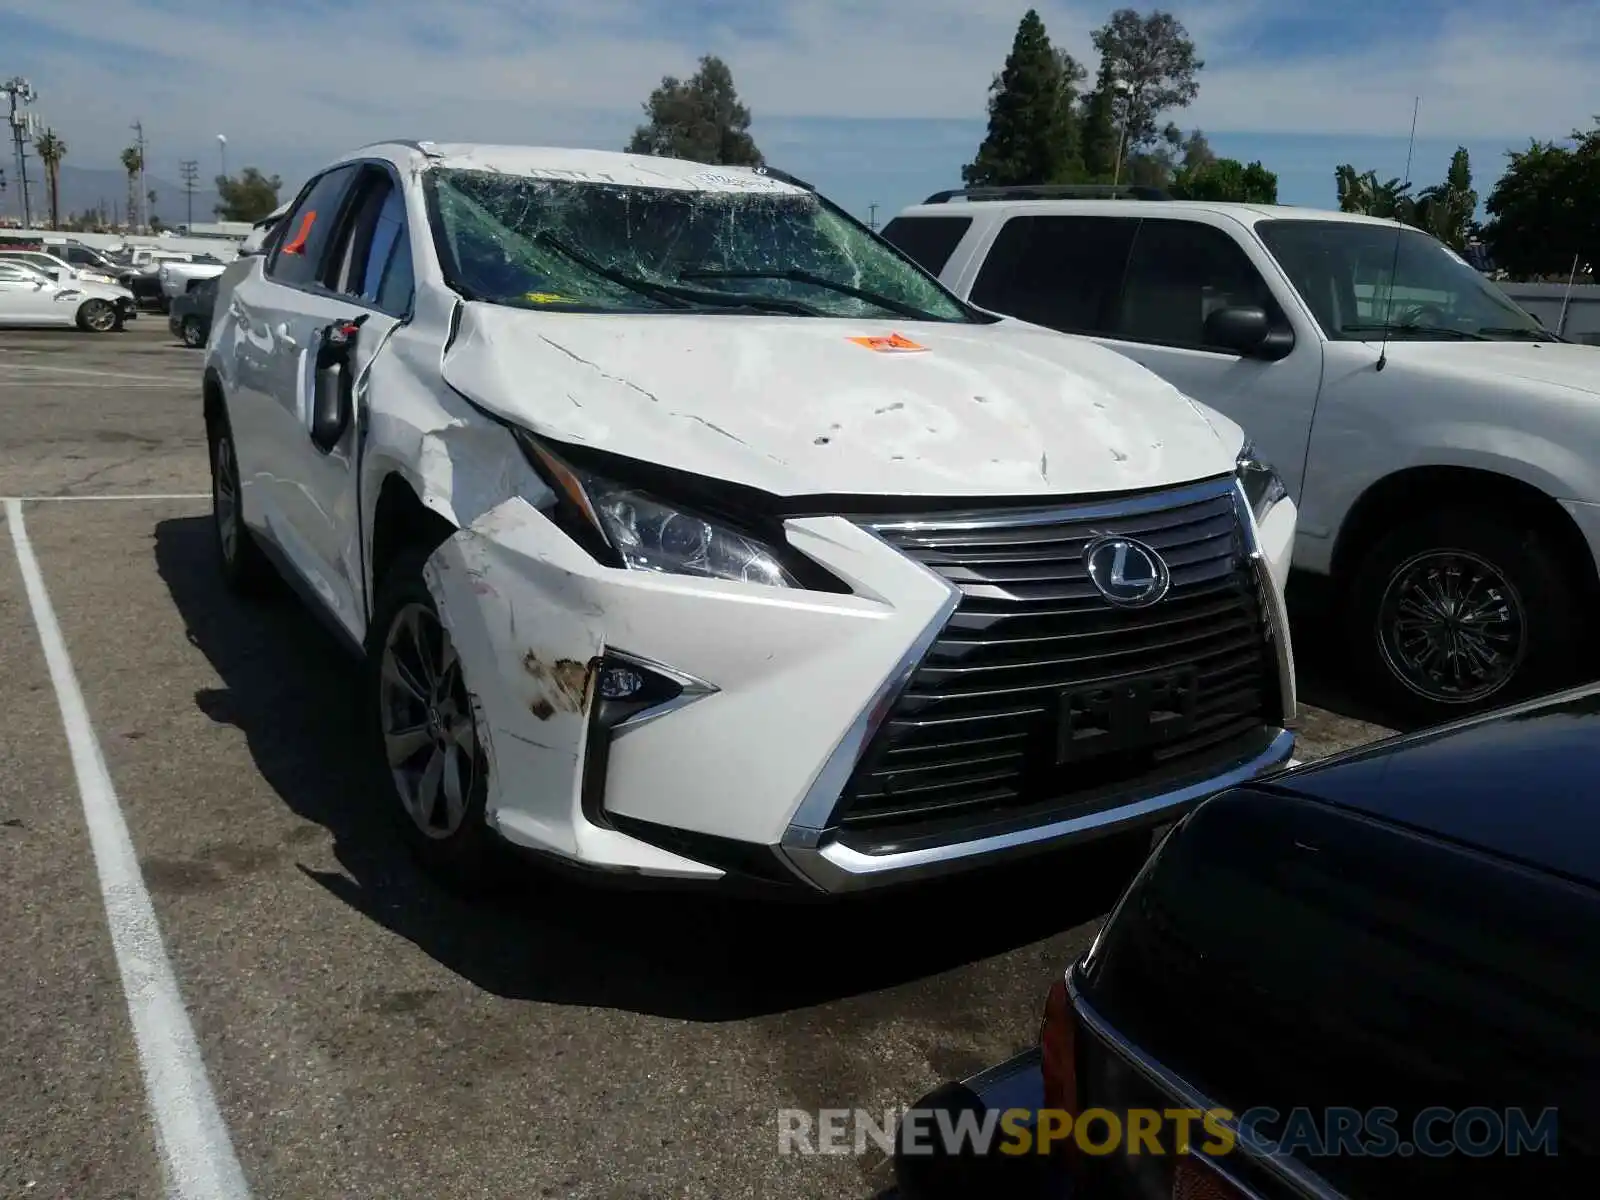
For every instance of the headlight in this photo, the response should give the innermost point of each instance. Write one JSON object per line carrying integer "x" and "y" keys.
{"x": 651, "y": 535}
{"x": 1262, "y": 485}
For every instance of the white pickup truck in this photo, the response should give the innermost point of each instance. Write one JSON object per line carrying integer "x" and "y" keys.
{"x": 177, "y": 277}
{"x": 1440, "y": 443}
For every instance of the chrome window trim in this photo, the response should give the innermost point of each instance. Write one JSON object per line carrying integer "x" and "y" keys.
{"x": 1287, "y": 1171}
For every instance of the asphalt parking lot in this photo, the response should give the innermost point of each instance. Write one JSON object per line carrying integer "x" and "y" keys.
{"x": 364, "y": 1033}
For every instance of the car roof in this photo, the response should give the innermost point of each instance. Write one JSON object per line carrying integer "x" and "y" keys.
{"x": 1518, "y": 783}
{"x": 1245, "y": 214}
{"x": 560, "y": 163}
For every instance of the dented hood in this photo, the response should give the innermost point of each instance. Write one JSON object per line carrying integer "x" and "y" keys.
{"x": 798, "y": 406}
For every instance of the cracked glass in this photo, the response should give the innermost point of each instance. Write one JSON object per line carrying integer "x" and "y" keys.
{"x": 594, "y": 246}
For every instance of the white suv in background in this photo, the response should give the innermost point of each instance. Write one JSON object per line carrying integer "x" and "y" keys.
{"x": 1448, "y": 474}
{"x": 691, "y": 531}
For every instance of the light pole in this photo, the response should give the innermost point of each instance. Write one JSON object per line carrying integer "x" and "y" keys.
{"x": 1120, "y": 88}
{"x": 222, "y": 150}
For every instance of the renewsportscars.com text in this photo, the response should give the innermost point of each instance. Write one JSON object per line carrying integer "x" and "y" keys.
{"x": 1377, "y": 1132}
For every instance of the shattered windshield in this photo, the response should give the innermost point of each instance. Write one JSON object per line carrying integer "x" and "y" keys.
{"x": 539, "y": 243}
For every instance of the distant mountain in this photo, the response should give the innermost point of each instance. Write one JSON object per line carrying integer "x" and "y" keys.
{"x": 83, "y": 188}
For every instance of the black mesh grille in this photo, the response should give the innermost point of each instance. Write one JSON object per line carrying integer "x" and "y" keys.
{"x": 979, "y": 733}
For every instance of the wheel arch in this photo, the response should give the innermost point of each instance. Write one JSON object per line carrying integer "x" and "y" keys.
{"x": 1436, "y": 487}
{"x": 399, "y": 519}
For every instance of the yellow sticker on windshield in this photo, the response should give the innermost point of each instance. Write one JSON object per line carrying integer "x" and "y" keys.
{"x": 545, "y": 298}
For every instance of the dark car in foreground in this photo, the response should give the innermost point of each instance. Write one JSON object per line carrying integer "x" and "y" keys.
{"x": 1377, "y": 976}
{"x": 189, "y": 318}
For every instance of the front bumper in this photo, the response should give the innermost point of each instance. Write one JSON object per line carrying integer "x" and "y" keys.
{"x": 779, "y": 694}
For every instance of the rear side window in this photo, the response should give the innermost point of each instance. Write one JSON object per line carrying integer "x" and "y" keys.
{"x": 1061, "y": 272}
{"x": 927, "y": 241}
{"x": 308, "y": 228}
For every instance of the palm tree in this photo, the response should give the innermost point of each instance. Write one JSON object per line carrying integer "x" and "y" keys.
{"x": 51, "y": 150}
{"x": 132, "y": 163}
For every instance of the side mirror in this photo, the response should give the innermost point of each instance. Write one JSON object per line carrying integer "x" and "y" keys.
{"x": 333, "y": 398}
{"x": 1248, "y": 331}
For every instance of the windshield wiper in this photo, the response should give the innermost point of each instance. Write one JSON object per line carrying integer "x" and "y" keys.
{"x": 1460, "y": 335}
{"x": 683, "y": 298}
{"x": 821, "y": 281}
{"x": 1521, "y": 332}
{"x": 642, "y": 287}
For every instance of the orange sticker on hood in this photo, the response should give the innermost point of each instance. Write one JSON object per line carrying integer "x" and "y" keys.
{"x": 895, "y": 343}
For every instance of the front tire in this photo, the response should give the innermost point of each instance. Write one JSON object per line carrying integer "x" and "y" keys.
{"x": 99, "y": 316}
{"x": 1460, "y": 611}
{"x": 245, "y": 569}
{"x": 425, "y": 738}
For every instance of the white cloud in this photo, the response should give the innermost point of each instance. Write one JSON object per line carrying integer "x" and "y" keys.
{"x": 296, "y": 80}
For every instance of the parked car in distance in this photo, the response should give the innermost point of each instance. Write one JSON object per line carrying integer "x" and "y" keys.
{"x": 1443, "y": 447}
{"x": 690, "y": 531}
{"x": 190, "y": 315}
{"x": 29, "y": 297}
{"x": 1397, "y": 942}
{"x": 176, "y": 278}
{"x": 56, "y": 267}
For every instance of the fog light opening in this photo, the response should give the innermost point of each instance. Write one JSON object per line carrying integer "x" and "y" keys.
{"x": 620, "y": 683}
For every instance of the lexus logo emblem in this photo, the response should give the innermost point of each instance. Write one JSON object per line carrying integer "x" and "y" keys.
{"x": 1126, "y": 572}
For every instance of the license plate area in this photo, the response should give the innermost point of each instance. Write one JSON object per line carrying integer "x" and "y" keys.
{"x": 1134, "y": 712}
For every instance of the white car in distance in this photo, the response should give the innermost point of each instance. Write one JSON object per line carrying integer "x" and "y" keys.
{"x": 58, "y": 268}
{"x": 30, "y": 297}
{"x": 689, "y": 530}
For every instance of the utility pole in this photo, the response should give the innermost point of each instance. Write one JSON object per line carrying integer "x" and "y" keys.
{"x": 872, "y": 217}
{"x": 22, "y": 94}
{"x": 144, "y": 196}
{"x": 190, "y": 170}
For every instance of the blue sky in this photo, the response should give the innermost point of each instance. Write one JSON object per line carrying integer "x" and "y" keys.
{"x": 875, "y": 101}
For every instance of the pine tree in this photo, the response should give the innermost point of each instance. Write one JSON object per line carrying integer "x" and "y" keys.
{"x": 1028, "y": 137}
{"x": 1099, "y": 125}
{"x": 700, "y": 119}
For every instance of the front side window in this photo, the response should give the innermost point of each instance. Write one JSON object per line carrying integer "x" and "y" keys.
{"x": 536, "y": 243}
{"x": 1360, "y": 279}
{"x": 308, "y": 229}
{"x": 1064, "y": 273}
{"x": 1180, "y": 273}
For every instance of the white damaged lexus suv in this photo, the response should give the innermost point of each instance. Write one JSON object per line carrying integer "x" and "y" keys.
{"x": 690, "y": 530}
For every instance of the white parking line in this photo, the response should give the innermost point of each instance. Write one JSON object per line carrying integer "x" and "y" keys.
{"x": 121, "y": 496}
{"x": 196, "y": 1151}
{"x": 120, "y": 376}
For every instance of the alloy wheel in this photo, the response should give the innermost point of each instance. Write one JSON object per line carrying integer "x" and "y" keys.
{"x": 225, "y": 497}
{"x": 99, "y": 316}
{"x": 425, "y": 716}
{"x": 1451, "y": 627}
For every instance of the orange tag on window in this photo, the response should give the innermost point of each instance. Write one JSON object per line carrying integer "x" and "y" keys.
{"x": 297, "y": 245}
{"x": 895, "y": 343}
